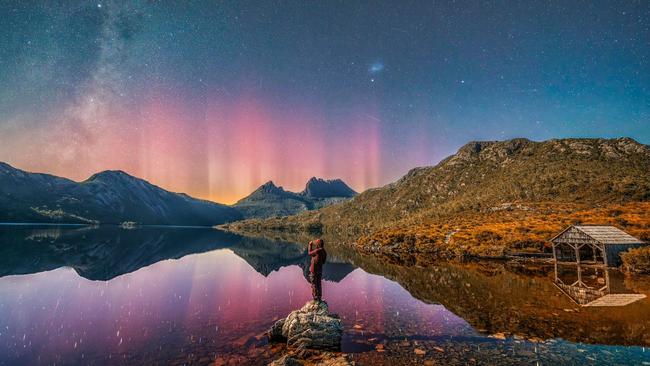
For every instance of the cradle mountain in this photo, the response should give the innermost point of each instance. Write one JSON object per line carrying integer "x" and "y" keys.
{"x": 490, "y": 197}
{"x": 270, "y": 200}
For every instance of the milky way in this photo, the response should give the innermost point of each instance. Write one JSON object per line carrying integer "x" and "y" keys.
{"x": 214, "y": 98}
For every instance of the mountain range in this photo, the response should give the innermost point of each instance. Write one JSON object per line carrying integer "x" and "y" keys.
{"x": 490, "y": 194}
{"x": 115, "y": 197}
{"x": 111, "y": 197}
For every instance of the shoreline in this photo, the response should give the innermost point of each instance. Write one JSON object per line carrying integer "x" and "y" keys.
{"x": 121, "y": 225}
{"x": 519, "y": 232}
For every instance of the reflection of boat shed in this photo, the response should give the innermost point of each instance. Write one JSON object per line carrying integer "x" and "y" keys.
{"x": 599, "y": 245}
{"x": 593, "y": 286}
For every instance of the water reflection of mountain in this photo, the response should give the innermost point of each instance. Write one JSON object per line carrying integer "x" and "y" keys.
{"x": 105, "y": 252}
{"x": 99, "y": 253}
{"x": 493, "y": 298}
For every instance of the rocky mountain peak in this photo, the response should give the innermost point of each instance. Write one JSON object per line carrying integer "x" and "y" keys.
{"x": 474, "y": 147}
{"x": 110, "y": 176}
{"x": 267, "y": 191}
{"x": 271, "y": 200}
{"x": 269, "y": 187}
{"x": 321, "y": 188}
{"x": 490, "y": 150}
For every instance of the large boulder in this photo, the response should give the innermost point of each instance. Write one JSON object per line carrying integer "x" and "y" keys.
{"x": 312, "y": 327}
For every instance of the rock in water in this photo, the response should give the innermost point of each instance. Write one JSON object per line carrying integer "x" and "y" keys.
{"x": 311, "y": 327}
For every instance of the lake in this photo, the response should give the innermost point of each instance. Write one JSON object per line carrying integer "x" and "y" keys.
{"x": 166, "y": 295}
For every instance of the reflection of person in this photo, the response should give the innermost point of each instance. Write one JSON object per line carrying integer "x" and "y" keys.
{"x": 318, "y": 258}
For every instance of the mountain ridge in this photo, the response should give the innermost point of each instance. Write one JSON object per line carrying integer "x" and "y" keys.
{"x": 115, "y": 196}
{"x": 111, "y": 196}
{"x": 535, "y": 179}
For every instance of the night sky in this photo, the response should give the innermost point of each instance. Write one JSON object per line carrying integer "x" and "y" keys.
{"x": 215, "y": 98}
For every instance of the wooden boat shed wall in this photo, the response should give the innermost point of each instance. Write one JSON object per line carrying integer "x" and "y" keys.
{"x": 586, "y": 244}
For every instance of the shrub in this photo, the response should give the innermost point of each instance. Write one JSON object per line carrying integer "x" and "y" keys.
{"x": 529, "y": 245}
{"x": 637, "y": 260}
{"x": 488, "y": 236}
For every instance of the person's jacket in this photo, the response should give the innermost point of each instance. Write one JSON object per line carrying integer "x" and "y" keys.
{"x": 318, "y": 258}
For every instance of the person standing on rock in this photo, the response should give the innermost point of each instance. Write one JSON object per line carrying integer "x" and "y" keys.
{"x": 318, "y": 258}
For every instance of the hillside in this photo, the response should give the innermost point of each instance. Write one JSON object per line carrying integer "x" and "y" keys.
{"x": 475, "y": 183}
{"x": 107, "y": 197}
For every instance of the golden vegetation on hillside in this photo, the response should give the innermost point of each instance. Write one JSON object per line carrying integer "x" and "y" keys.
{"x": 483, "y": 175}
{"x": 502, "y": 230}
{"x": 490, "y": 199}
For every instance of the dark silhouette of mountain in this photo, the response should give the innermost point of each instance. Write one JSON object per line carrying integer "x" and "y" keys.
{"x": 107, "y": 197}
{"x": 321, "y": 188}
{"x": 270, "y": 200}
{"x": 114, "y": 197}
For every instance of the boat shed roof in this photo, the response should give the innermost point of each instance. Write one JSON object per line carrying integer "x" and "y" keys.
{"x": 605, "y": 234}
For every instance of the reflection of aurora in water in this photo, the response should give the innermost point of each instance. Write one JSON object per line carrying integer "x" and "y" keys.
{"x": 219, "y": 303}
{"x": 214, "y": 297}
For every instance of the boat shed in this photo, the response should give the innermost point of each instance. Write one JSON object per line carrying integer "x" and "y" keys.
{"x": 598, "y": 245}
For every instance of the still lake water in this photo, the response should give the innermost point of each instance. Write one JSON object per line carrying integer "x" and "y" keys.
{"x": 154, "y": 295}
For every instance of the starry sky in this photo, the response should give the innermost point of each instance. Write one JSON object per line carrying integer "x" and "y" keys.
{"x": 215, "y": 98}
